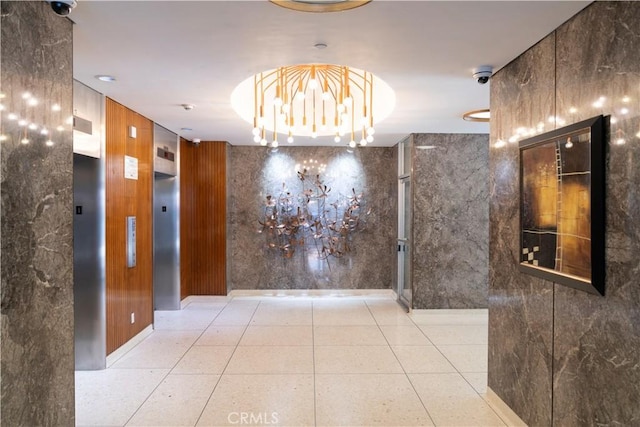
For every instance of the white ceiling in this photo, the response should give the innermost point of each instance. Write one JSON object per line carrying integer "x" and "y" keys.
{"x": 168, "y": 53}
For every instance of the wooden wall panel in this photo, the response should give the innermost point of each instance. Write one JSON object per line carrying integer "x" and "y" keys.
{"x": 129, "y": 290}
{"x": 203, "y": 199}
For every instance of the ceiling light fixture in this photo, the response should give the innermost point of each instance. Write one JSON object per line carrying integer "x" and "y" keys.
{"x": 314, "y": 100}
{"x": 477, "y": 115}
{"x": 105, "y": 78}
{"x": 319, "y": 6}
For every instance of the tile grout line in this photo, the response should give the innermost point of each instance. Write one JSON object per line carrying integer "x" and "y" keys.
{"x": 159, "y": 383}
{"x": 313, "y": 353}
{"x": 230, "y": 357}
{"x": 170, "y": 369}
{"x": 437, "y": 347}
{"x": 399, "y": 363}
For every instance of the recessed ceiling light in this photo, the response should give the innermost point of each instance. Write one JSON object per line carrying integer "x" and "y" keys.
{"x": 477, "y": 115}
{"x": 186, "y": 129}
{"x": 320, "y": 5}
{"x": 320, "y": 45}
{"x": 105, "y": 78}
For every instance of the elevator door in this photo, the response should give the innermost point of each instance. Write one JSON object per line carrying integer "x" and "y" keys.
{"x": 166, "y": 261}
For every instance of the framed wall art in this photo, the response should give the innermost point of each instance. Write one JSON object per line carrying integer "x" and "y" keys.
{"x": 562, "y": 205}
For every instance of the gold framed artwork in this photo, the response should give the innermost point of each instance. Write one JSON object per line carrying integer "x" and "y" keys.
{"x": 562, "y": 205}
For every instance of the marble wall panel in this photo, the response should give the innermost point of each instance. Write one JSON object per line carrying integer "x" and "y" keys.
{"x": 450, "y": 221}
{"x": 256, "y": 172}
{"x": 596, "y": 339}
{"x": 37, "y": 372}
{"x": 520, "y": 306}
{"x": 595, "y": 365}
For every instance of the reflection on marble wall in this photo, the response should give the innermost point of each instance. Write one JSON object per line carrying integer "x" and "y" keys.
{"x": 520, "y": 306}
{"x": 591, "y": 368}
{"x": 37, "y": 242}
{"x": 596, "y": 340}
{"x": 450, "y": 221}
{"x": 256, "y": 172}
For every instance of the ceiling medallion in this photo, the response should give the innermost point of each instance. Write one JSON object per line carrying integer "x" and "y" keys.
{"x": 477, "y": 115}
{"x": 312, "y": 100}
{"x": 319, "y": 5}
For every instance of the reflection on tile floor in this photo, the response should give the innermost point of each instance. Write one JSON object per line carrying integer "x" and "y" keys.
{"x": 297, "y": 361}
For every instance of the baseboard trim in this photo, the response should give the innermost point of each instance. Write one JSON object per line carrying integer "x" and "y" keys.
{"x": 369, "y": 293}
{"x": 126, "y": 347}
{"x": 503, "y": 410}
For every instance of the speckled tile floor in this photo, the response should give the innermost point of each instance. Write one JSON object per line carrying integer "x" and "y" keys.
{"x": 298, "y": 361}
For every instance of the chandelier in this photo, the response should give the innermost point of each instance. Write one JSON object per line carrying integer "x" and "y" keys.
{"x": 315, "y": 100}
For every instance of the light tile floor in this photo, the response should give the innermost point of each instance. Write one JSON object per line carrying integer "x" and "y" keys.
{"x": 297, "y": 361}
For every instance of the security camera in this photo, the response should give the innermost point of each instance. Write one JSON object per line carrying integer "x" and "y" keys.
{"x": 483, "y": 74}
{"x": 62, "y": 7}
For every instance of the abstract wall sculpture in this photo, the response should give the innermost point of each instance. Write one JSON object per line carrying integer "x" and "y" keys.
{"x": 309, "y": 221}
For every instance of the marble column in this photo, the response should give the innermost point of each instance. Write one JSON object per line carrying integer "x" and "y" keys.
{"x": 37, "y": 372}
{"x": 559, "y": 356}
{"x": 450, "y": 221}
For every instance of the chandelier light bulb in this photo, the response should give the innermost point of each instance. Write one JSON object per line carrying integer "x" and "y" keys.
{"x": 44, "y": 131}
{"x": 263, "y": 142}
{"x": 256, "y": 138}
{"x": 33, "y": 126}
{"x": 22, "y": 122}
{"x": 369, "y": 138}
{"x": 60, "y": 128}
{"x": 290, "y": 139}
{"x": 275, "y": 144}
{"x": 24, "y": 141}
{"x": 32, "y": 102}
{"x": 49, "y": 143}
{"x": 287, "y": 92}
{"x": 26, "y": 95}
{"x": 371, "y": 131}
{"x": 352, "y": 144}
{"x": 55, "y": 107}
{"x": 337, "y": 138}
{"x": 363, "y": 142}
{"x": 12, "y": 116}
{"x": 255, "y": 131}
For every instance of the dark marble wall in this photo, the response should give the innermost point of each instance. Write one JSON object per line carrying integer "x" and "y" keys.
{"x": 556, "y": 355}
{"x": 37, "y": 242}
{"x": 450, "y": 221}
{"x": 256, "y": 172}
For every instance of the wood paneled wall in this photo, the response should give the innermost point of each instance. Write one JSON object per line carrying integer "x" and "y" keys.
{"x": 129, "y": 290}
{"x": 203, "y": 200}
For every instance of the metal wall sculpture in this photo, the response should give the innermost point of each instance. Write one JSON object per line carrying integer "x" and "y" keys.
{"x": 308, "y": 221}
